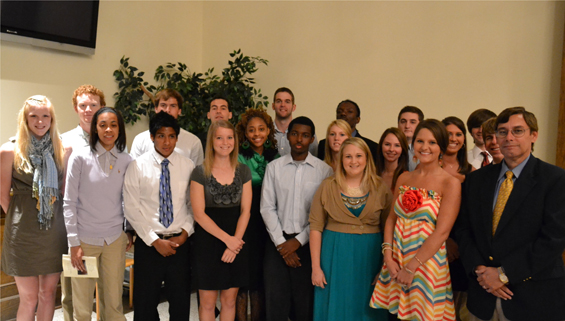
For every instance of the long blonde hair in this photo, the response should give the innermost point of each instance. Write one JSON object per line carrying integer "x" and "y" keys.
{"x": 23, "y": 135}
{"x": 369, "y": 173}
{"x": 211, "y": 153}
{"x": 343, "y": 125}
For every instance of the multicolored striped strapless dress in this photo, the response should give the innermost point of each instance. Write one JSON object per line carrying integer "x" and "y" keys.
{"x": 429, "y": 297}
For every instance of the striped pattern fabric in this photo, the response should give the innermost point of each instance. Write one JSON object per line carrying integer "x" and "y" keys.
{"x": 430, "y": 296}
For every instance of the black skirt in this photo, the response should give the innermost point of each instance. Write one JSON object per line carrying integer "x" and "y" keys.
{"x": 208, "y": 270}
{"x": 255, "y": 238}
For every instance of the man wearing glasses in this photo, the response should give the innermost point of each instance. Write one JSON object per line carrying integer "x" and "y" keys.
{"x": 512, "y": 229}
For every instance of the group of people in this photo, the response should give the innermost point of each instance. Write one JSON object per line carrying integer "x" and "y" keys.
{"x": 414, "y": 227}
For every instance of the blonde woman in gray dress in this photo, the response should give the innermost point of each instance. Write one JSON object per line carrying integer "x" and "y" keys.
{"x": 32, "y": 175}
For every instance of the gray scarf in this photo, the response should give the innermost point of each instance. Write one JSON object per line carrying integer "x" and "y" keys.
{"x": 45, "y": 178}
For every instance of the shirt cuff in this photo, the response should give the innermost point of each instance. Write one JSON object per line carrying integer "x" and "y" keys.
{"x": 280, "y": 240}
{"x": 303, "y": 238}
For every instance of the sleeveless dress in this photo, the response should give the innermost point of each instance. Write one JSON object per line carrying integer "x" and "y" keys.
{"x": 28, "y": 250}
{"x": 350, "y": 263}
{"x": 430, "y": 296}
{"x": 223, "y": 206}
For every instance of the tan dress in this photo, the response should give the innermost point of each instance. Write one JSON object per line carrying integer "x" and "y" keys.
{"x": 28, "y": 250}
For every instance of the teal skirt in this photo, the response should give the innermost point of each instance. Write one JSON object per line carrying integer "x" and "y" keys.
{"x": 350, "y": 263}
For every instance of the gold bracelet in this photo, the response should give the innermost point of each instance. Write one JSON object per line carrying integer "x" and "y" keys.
{"x": 408, "y": 270}
{"x": 386, "y": 248}
{"x": 417, "y": 259}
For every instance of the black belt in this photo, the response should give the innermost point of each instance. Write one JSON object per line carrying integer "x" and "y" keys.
{"x": 167, "y": 236}
{"x": 289, "y": 236}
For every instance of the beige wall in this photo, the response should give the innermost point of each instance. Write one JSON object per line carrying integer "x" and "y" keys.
{"x": 151, "y": 33}
{"x": 448, "y": 58}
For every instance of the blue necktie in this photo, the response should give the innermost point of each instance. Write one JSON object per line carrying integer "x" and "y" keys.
{"x": 165, "y": 201}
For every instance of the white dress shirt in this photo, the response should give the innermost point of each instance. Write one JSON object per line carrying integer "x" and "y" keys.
{"x": 188, "y": 145}
{"x": 77, "y": 138}
{"x": 475, "y": 158}
{"x": 141, "y": 195}
{"x": 411, "y": 163}
{"x": 288, "y": 190}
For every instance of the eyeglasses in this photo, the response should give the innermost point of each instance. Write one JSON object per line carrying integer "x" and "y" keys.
{"x": 516, "y": 132}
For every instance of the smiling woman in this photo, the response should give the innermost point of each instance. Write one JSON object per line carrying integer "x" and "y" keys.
{"x": 94, "y": 213}
{"x": 455, "y": 157}
{"x": 258, "y": 147}
{"x": 220, "y": 193}
{"x": 427, "y": 201}
{"x": 392, "y": 156}
{"x": 31, "y": 181}
{"x": 345, "y": 236}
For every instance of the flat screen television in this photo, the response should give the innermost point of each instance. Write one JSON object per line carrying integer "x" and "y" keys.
{"x": 63, "y": 25}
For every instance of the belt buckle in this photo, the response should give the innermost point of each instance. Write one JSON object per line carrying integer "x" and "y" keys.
{"x": 167, "y": 235}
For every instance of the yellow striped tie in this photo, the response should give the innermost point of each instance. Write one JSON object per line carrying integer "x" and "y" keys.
{"x": 503, "y": 193}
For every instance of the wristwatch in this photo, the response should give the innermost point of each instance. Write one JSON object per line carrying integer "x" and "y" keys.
{"x": 502, "y": 276}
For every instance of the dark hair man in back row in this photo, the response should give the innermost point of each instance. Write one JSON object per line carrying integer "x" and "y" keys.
{"x": 349, "y": 111}
{"x": 219, "y": 110}
{"x": 478, "y": 156}
{"x": 188, "y": 145}
{"x": 408, "y": 119}
{"x": 283, "y": 105}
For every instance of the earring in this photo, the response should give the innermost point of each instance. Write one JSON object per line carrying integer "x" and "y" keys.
{"x": 245, "y": 144}
{"x": 267, "y": 144}
{"x": 414, "y": 159}
{"x": 440, "y": 160}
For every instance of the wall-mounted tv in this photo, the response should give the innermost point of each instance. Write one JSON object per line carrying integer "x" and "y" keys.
{"x": 63, "y": 25}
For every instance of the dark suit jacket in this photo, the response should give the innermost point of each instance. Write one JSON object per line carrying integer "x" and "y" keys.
{"x": 372, "y": 147}
{"x": 528, "y": 242}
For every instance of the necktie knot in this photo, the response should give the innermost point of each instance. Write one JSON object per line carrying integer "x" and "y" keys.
{"x": 509, "y": 175}
{"x": 486, "y": 160}
{"x": 165, "y": 162}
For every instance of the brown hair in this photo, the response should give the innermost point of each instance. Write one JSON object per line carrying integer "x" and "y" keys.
{"x": 464, "y": 166}
{"x": 489, "y": 127}
{"x": 402, "y": 160}
{"x": 283, "y": 90}
{"x": 167, "y": 93}
{"x": 529, "y": 118}
{"x": 438, "y": 131}
{"x": 478, "y": 117}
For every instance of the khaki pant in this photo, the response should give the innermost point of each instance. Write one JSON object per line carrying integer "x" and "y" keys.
{"x": 111, "y": 260}
{"x": 67, "y": 297}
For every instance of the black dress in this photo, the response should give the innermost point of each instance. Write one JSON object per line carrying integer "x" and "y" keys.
{"x": 223, "y": 207}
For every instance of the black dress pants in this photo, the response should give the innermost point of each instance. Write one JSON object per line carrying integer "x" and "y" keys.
{"x": 288, "y": 291}
{"x": 151, "y": 269}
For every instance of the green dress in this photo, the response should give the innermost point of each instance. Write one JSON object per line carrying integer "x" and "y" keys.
{"x": 350, "y": 263}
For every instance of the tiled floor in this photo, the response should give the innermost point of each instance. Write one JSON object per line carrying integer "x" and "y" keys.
{"x": 163, "y": 310}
